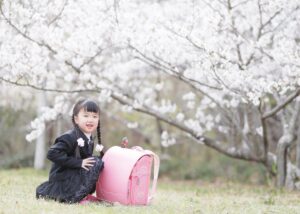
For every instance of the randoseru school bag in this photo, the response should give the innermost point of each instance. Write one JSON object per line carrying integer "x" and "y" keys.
{"x": 126, "y": 176}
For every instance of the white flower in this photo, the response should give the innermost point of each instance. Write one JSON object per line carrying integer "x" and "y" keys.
{"x": 99, "y": 148}
{"x": 180, "y": 117}
{"x": 80, "y": 142}
{"x": 159, "y": 86}
{"x": 132, "y": 125}
{"x": 165, "y": 135}
{"x": 259, "y": 130}
{"x": 189, "y": 96}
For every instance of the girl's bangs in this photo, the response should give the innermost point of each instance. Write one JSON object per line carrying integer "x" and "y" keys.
{"x": 90, "y": 106}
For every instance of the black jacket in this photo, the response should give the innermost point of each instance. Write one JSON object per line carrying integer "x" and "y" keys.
{"x": 67, "y": 155}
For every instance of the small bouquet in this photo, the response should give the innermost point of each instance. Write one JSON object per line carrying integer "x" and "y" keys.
{"x": 99, "y": 147}
{"x": 80, "y": 142}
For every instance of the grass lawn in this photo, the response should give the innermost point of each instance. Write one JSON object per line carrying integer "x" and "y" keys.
{"x": 17, "y": 195}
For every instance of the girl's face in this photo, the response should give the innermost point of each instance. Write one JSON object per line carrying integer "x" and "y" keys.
{"x": 87, "y": 121}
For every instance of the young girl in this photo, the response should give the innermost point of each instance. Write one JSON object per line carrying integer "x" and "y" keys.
{"x": 74, "y": 171}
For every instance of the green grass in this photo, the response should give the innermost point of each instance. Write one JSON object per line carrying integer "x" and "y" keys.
{"x": 17, "y": 195}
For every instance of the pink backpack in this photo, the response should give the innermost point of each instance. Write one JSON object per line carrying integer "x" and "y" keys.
{"x": 126, "y": 176}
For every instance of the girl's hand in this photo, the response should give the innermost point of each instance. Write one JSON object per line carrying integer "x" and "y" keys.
{"x": 88, "y": 162}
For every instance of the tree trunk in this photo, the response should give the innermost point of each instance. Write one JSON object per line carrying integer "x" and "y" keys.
{"x": 292, "y": 177}
{"x": 40, "y": 154}
{"x": 284, "y": 170}
{"x": 298, "y": 149}
{"x": 282, "y": 147}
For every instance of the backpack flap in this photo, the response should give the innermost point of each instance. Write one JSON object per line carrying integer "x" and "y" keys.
{"x": 155, "y": 174}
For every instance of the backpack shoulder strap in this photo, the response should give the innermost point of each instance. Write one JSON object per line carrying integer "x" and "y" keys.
{"x": 155, "y": 174}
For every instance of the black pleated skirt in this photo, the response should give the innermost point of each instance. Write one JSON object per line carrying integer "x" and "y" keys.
{"x": 72, "y": 188}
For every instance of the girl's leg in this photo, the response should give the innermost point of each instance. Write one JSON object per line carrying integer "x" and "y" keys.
{"x": 89, "y": 179}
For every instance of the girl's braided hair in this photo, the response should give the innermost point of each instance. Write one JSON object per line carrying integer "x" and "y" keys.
{"x": 89, "y": 106}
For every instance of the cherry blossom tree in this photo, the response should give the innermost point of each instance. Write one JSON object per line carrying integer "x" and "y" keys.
{"x": 237, "y": 63}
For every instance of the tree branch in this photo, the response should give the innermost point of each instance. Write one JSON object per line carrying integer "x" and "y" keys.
{"x": 43, "y": 44}
{"x": 239, "y": 154}
{"x": 59, "y": 14}
{"x": 169, "y": 69}
{"x": 46, "y": 89}
{"x": 211, "y": 53}
{"x": 147, "y": 110}
{"x": 187, "y": 81}
{"x": 265, "y": 132}
{"x": 240, "y": 3}
{"x": 282, "y": 105}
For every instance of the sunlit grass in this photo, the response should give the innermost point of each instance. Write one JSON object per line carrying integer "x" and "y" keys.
{"x": 17, "y": 195}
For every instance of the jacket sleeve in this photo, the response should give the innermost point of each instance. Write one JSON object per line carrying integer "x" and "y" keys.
{"x": 61, "y": 153}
